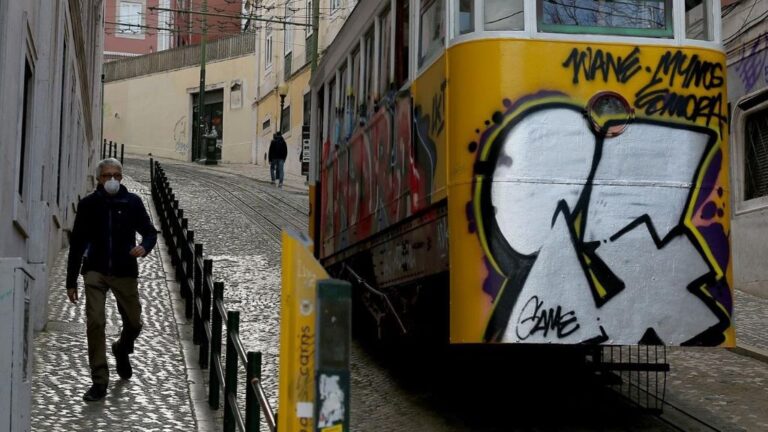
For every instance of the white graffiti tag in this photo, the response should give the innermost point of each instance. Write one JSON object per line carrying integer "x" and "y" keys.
{"x": 603, "y": 218}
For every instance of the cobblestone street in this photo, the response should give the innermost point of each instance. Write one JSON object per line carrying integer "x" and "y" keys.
{"x": 237, "y": 215}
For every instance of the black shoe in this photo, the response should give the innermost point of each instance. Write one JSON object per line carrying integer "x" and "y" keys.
{"x": 95, "y": 393}
{"x": 124, "y": 368}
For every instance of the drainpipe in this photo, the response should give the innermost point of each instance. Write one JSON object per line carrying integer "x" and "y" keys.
{"x": 257, "y": 90}
{"x": 201, "y": 146}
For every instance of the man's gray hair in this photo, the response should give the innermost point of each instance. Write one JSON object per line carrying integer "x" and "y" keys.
{"x": 108, "y": 162}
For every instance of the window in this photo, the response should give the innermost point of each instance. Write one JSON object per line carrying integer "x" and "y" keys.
{"x": 401, "y": 43}
{"x": 355, "y": 89}
{"x": 26, "y": 127}
{"x": 345, "y": 96}
{"x": 61, "y": 120}
{"x": 431, "y": 39}
{"x": 756, "y": 155}
{"x": 265, "y": 125}
{"x": 465, "y": 17}
{"x": 308, "y": 30}
{"x": 288, "y": 30}
{"x": 506, "y": 14}
{"x": 268, "y": 49}
{"x": 370, "y": 84}
{"x": 129, "y": 17}
{"x": 307, "y": 107}
{"x": 333, "y": 115}
{"x": 627, "y": 17}
{"x": 384, "y": 51}
{"x": 335, "y": 5}
{"x": 698, "y": 20}
{"x": 285, "y": 120}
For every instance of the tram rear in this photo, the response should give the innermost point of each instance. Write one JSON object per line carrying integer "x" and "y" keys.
{"x": 538, "y": 171}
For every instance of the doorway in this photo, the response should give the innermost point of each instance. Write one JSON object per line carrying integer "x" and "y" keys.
{"x": 213, "y": 126}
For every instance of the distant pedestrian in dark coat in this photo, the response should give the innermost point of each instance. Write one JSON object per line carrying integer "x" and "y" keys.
{"x": 278, "y": 151}
{"x": 105, "y": 230}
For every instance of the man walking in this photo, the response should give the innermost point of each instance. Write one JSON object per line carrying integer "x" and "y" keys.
{"x": 104, "y": 241}
{"x": 278, "y": 151}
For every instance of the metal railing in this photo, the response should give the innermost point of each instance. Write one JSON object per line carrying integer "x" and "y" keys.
{"x": 109, "y": 149}
{"x": 177, "y": 58}
{"x": 204, "y": 304}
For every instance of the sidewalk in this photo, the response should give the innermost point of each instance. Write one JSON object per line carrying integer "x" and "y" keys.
{"x": 162, "y": 395}
{"x": 751, "y": 315}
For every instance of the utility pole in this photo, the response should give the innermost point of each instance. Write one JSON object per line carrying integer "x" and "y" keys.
{"x": 201, "y": 95}
{"x": 315, "y": 33}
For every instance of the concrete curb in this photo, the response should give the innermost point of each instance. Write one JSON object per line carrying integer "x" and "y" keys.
{"x": 750, "y": 351}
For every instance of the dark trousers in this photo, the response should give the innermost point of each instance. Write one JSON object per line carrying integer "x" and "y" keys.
{"x": 276, "y": 170}
{"x": 126, "y": 292}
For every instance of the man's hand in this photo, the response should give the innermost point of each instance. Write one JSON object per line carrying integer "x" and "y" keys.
{"x": 72, "y": 294}
{"x": 138, "y": 252}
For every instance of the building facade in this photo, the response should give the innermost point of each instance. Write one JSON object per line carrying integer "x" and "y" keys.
{"x": 284, "y": 56}
{"x": 745, "y": 35}
{"x": 151, "y": 102}
{"x": 50, "y": 68}
{"x": 256, "y": 84}
{"x": 138, "y": 27}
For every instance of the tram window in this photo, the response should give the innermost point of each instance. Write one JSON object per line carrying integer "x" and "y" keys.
{"x": 320, "y": 114}
{"x": 401, "y": 43}
{"x": 385, "y": 52}
{"x": 698, "y": 19}
{"x": 370, "y": 85}
{"x": 431, "y": 39}
{"x": 332, "y": 113}
{"x": 355, "y": 89}
{"x": 503, "y": 15}
{"x": 465, "y": 17}
{"x": 625, "y": 17}
{"x": 344, "y": 98}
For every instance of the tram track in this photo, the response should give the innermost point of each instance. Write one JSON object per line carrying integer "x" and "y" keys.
{"x": 267, "y": 221}
{"x": 673, "y": 414}
{"x": 682, "y": 420}
{"x": 287, "y": 209}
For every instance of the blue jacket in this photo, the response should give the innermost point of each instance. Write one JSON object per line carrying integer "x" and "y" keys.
{"x": 105, "y": 232}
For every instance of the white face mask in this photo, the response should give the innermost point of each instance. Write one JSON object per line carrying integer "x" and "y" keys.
{"x": 112, "y": 186}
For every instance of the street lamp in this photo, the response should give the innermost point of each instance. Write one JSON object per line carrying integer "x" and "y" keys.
{"x": 282, "y": 90}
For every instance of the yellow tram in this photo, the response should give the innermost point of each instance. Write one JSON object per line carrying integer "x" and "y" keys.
{"x": 528, "y": 171}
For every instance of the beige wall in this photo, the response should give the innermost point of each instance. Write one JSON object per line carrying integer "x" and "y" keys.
{"x": 152, "y": 113}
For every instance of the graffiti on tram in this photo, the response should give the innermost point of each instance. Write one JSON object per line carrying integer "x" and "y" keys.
{"x": 595, "y": 238}
{"x": 381, "y": 173}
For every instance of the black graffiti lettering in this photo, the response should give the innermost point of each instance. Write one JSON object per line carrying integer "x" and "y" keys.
{"x": 657, "y": 96}
{"x": 590, "y": 63}
{"x": 437, "y": 122}
{"x": 690, "y": 107}
{"x": 534, "y": 318}
{"x": 692, "y": 71}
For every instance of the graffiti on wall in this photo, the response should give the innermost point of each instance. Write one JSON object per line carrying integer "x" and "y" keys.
{"x": 752, "y": 68}
{"x": 180, "y": 136}
{"x": 607, "y": 239}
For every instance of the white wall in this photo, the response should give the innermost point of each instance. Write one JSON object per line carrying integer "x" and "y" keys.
{"x": 51, "y": 167}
